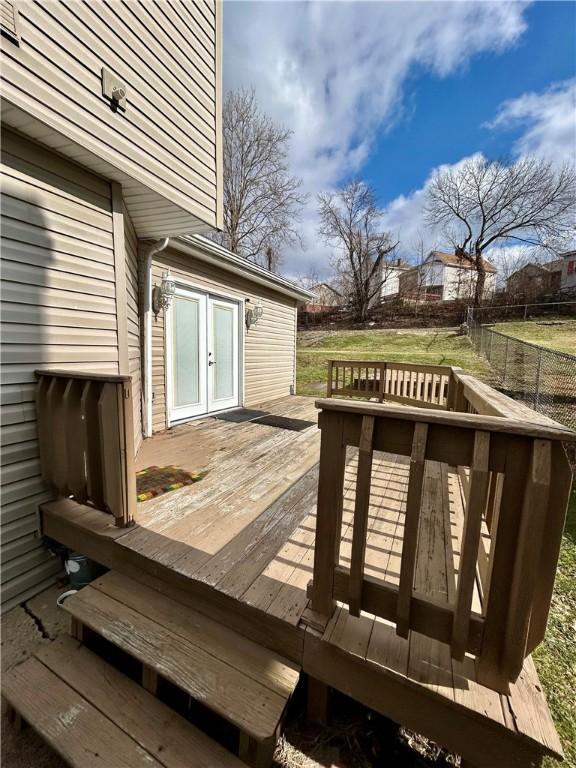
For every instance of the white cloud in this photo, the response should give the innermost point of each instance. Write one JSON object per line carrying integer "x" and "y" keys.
{"x": 333, "y": 72}
{"x": 546, "y": 120}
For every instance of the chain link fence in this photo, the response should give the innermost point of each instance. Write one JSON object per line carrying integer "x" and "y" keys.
{"x": 542, "y": 378}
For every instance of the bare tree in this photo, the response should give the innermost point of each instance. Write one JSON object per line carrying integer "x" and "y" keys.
{"x": 262, "y": 201}
{"x": 481, "y": 202}
{"x": 351, "y": 222}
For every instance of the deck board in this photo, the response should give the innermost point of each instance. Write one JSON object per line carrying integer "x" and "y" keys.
{"x": 242, "y": 542}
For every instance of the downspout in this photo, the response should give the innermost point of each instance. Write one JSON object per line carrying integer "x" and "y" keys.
{"x": 147, "y": 251}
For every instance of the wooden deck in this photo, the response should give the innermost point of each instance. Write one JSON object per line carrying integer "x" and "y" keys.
{"x": 239, "y": 546}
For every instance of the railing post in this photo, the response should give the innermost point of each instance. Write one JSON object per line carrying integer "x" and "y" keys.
{"x": 490, "y": 670}
{"x": 328, "y": 511}
{"x": 329, "y": 382}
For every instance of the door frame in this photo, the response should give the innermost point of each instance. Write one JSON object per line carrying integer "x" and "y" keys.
{"x": 217, "y": 293}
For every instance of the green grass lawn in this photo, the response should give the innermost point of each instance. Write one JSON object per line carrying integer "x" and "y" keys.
{"x": 556, "y": 657}
{"x": 554, "y": 333}
{"x": 438, "y": 347}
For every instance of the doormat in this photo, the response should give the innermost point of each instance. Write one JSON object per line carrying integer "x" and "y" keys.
{"x": 154, "y": 481}
{"x": 240, "y": 415}
{"x": 283, "y": 422}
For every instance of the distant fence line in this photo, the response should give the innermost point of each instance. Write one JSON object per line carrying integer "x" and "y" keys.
{"x": 542, "y": 378}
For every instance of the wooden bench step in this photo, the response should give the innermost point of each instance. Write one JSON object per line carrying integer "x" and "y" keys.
{"x": 241, "y": 681}
{"x": 95, "y": 717}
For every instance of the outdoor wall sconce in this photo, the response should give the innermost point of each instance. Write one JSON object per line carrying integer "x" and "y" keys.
{"x": 163, "y": 294}
{"x": 253, "y": 314}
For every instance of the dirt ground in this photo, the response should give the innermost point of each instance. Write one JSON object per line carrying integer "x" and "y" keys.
{"x": 355, "y": 737}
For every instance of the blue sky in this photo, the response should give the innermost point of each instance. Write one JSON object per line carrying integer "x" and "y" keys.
{"x": 390, "y": 91}
{"x": 445, "y": 118}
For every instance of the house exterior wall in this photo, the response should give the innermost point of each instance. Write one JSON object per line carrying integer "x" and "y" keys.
{"x": 460, "y": 283}
{"x": 58, "y": 311}
{"x": 532, "y": 281}
{"x": 167, "y": 139}
{"x": 269, "y": 346}
{"x": 391, "y": 284}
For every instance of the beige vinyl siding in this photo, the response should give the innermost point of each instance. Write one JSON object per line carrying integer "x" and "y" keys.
{"x": 269, "y": 346}
{"x": 133, "y": 323}
{"x": 167, "y": 54}
{"x": 58, "y": 310}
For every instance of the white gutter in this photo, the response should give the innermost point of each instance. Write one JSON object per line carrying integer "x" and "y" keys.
{"x": 146, "y": 253}
{"x": 206, "y": 250}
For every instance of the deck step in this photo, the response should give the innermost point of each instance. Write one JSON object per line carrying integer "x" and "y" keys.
{"x": 241, "y": 681}
{"x": 95, "y": 717}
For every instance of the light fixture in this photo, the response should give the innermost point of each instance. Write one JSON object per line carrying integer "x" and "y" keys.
{"x": 163, "y": 294}
{"x": 253, "y": 314}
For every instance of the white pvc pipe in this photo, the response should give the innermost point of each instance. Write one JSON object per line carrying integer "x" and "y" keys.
{"x": 147, "y": 254}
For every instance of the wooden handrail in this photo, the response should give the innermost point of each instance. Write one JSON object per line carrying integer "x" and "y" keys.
{"x": 86, "y": 438}
{"x": 508, "y": 467}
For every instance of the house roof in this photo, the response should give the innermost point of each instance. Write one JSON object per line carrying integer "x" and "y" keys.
{"x": 535, "y": 266}
{"x": 451, "y": 260}
{"x": 201, "y": 247}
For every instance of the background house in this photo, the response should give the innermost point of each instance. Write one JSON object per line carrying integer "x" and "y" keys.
{"x": 534, "y": 280}
{"x": 445, "y": 277}
{"x": 326, "y": 297}
{"x": 568, "y": 273}
{"x": 390, "y": 277}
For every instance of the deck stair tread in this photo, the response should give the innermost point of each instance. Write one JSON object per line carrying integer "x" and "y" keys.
{"x": 241, "y": 681}
{"x": 93, "y": 716}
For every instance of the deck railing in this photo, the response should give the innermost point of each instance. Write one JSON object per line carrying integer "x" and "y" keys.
{"x": 86, "y": 439}
{"x": 516, "y": 480}
{"x": 396, "y": 382}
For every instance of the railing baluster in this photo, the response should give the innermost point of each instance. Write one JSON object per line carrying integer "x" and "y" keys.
{"x": 56, "y": 425}
{"x": 411, "y": 526}
{"x": 473, "y": 515}
{"x": 89, "y": 405}
{"x": 382, "y": 382}
{"x": 361, "y": 508}
{"x": 75, "y": 439}
{"x": 329, "y": 511}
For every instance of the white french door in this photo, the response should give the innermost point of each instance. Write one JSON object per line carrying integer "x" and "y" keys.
{"x": 222, "y": 354}
{"x": 202, "y": 354}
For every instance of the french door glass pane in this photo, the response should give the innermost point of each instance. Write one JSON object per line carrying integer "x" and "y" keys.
{"x": 186, "y": 351}
{"x": 223, "y": 330}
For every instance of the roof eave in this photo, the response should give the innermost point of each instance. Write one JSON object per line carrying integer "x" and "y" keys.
{"x": 204, "y": 249}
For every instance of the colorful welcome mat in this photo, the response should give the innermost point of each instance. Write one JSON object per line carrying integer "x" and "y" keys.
{"x": 154, "y": 481}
